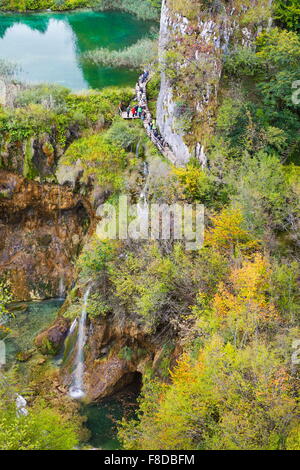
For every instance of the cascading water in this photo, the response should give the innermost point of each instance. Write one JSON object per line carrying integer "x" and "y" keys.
{"x": 62, "y": 288}
{"x": 72, "y": 327}
{"x": 77, "y": 389}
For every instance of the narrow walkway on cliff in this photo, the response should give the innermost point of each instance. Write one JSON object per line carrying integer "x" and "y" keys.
{"x": 152, "y": 132}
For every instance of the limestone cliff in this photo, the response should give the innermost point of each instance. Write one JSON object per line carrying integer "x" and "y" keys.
{"x": 42, "y": 228}
{"x": 117, "y": 354}
{"x": 36, "y": 157}
{"x": 194, "y": 37}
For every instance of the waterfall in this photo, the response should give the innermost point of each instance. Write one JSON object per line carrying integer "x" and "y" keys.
{"x": 21, "y": 405}
{"x": 142, "y": 205}
{"x": 137, "y": 149}
{"x": 62, "y": 289}
{"x": 145, "y": 169}
{"x": 72, "y": 327}
{"x": 77, "y": 389}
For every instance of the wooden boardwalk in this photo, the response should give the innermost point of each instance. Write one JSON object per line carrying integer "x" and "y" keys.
{"x": 141, "y": 99}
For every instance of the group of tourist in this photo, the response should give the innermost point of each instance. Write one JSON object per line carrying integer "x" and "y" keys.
{"x": 152, "y": 130}
{"x": 140, "y": 111}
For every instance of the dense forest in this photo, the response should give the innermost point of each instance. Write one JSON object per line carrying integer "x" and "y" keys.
{"x": 213, "y": 333}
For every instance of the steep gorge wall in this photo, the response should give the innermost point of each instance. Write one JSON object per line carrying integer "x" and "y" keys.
{"x": 194, "y": 46}
{"x": 117, "y": 354}
{"x": 165, "y": 102}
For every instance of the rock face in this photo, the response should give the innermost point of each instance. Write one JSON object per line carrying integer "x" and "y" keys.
{"x": 41, "y": 231}
{"x": 51, "y": 341}
{"x": 198, "y": 43}
{"x": 117, "y": 355}
{"x": 165, "y": 103}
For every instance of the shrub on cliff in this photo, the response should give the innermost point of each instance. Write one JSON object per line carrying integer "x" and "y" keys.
{"x": 158, "y": 288}
{"x": 287, "y": 13}
{"x": 226, "y": 398}
{"x": 102, "y": 161}
{"x": 43, "y": 428}
{"x": 129, "y": 136}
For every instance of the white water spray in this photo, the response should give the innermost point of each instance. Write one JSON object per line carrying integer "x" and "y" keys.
{"x": 77, "y": 388}
{"x": 72, "y": 327}
{"x": 21, "y": 405}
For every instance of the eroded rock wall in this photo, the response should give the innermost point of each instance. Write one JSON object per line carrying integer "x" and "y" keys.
{"x": 42, "y": 228}
{"x": 116, "y": 355}
{"x": 192, "y": 47}
{"x": 166, "y": 103}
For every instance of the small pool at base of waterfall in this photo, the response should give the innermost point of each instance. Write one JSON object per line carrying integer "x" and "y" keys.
{"x": 102, "y": 421}
{"x": 102, "y": 418}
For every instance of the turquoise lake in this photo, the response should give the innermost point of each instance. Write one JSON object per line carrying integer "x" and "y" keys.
{"x": 47, "y": 47}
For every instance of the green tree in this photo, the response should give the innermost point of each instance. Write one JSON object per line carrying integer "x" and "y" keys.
{"x": 226, "y": 399}
{"x": 41, "y": 429}
{"x": 287, "y": 13}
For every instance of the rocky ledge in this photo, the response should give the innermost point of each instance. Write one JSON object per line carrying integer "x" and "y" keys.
{"x": 42, "y": 228}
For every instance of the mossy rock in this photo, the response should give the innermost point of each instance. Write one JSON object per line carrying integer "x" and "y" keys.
{"x": 50, "y": 341}
{"x": 24, "y": 356}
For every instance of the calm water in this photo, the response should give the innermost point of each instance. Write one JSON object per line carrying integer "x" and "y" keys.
{"x": 29, "y": 319}
{"x": 102, "y": 422}
{"x": 47, "y": 46}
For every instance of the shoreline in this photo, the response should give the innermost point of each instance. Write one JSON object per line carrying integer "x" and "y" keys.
{"x": 50, "y": 10}
{"x": 75, "y": 10}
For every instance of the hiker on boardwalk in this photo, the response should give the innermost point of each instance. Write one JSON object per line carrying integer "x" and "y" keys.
{"x": 145, "y": 76}
{"x": 141, "y": 110}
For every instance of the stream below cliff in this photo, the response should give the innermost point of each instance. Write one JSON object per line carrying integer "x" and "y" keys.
{"x": 27, "y": 319}
{"x": 101, "y": 422}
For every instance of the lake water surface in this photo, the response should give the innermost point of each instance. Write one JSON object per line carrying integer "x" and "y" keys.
{"x": 48, "y": 46}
